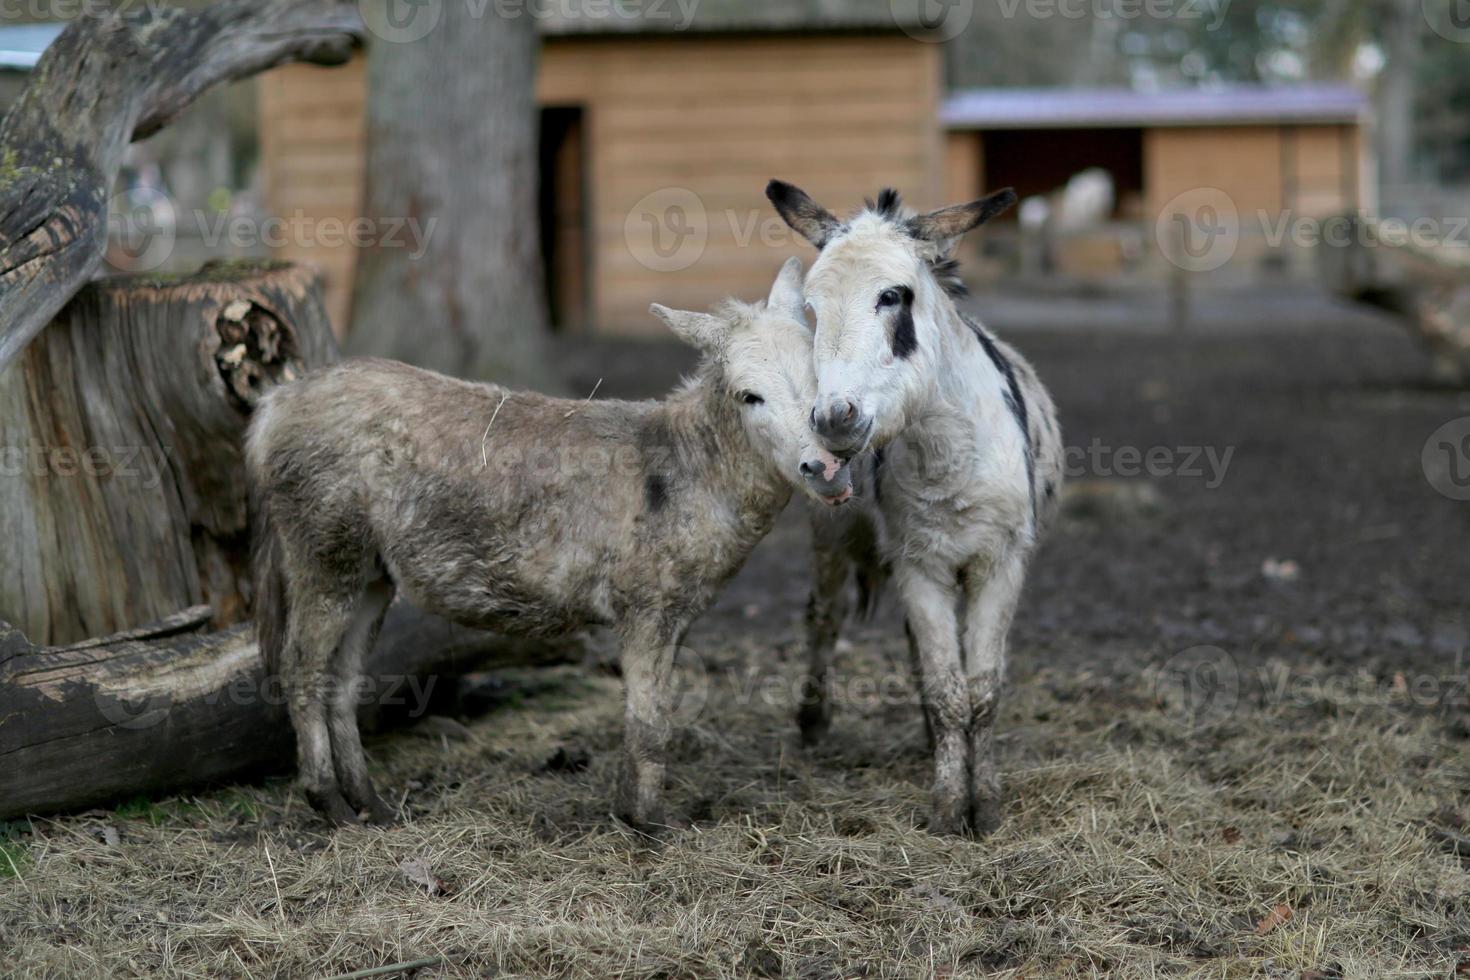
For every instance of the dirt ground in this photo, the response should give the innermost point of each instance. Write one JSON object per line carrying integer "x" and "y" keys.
{"x": 1236, "y": 743}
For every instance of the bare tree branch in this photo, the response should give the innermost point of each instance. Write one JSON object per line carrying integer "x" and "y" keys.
{"x": 105, "y": 82}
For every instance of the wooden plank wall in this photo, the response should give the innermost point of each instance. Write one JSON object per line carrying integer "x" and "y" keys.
{"x": 1310, "y": 170}
{"x": 680, "y": 134}
{"x": 311, "y": 158}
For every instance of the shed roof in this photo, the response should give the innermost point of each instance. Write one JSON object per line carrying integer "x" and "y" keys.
{"x": 1236, "y": 105}
{"x": 579, "y": 17}
{"x": 21, "y": 44}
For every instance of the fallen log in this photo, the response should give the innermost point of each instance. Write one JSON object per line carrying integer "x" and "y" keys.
{"x": 1407, "y": 273}
{"x": 167, "y": 707}
{"x": 122, "y": 493}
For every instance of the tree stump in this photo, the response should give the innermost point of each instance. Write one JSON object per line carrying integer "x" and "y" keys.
{"x": 122, "y": 494}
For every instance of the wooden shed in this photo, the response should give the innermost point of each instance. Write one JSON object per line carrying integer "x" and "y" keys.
{"x": 1300, "y": 149}
{"x": 656, "y": 149}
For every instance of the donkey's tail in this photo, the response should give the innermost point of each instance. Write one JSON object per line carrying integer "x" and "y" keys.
{"x": 271, "y": 600}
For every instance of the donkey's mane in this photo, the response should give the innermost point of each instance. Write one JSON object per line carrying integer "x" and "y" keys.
{"x": 890, "y": 208}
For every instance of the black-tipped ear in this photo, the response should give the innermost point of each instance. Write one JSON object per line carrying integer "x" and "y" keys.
{"x": 806, "y": 217}
{"x": 947, "y": 224}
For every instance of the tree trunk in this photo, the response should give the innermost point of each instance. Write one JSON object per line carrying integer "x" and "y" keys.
{"x": 165, "y": 708}
{"x": 452, "y": 144}
{"x": 123, "y": 498}
{"x": 1403, "y": 30}
{"x": 103, "y": 83}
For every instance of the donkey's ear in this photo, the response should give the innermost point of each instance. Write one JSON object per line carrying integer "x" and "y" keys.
{"x": 786, "y": 293}
{"x": 700, "y": 330}
{"x": 943, "y": 228}
{"x": 806, "y": 217}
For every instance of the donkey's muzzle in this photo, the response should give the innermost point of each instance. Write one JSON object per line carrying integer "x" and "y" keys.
{"x": 843, "y": 429}
{"x": 828, "y": 478}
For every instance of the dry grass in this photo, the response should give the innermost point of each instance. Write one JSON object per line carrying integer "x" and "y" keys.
{"x": 1140, "y": 842}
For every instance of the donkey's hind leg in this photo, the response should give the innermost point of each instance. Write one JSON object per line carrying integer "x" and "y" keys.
{"x": 348, "y": 757}
{"x": 826, "y": 609}
{"x": 317, "y": 625}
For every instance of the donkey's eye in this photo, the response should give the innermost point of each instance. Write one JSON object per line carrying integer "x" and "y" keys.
{"x": 751, "y": 398}
{"x": 889, "y": 297}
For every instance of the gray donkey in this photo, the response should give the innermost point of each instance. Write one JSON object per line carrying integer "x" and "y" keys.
{"x": 521, "y": 513}
{"x": 966, "y": 467}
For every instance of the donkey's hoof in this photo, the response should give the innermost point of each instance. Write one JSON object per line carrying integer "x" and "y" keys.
{"x": 949, "y": 821}
{"x": 332, "y": 806}
{"x": 986, "y": 816}
{"x": 815, "y": 720}
{"x": 651, "y": 825}
{"x": 378, "y": 814}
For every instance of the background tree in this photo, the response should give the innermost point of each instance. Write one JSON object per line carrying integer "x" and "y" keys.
{"x": 452, "y": 139}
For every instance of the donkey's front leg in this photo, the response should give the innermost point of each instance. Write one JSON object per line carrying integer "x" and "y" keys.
{"x": 825, "y": 612}
{"x": 931, "y": 597}
{"x": 993, "y": 589}
{"x": 648, "y": 667}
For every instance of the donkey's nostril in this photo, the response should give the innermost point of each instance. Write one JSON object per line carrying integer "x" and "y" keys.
{"x": 851, "y": 411}
{"x": 810, "y": 468}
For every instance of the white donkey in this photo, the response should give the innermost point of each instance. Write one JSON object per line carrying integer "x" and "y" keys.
{"x": 965, "y": 469}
